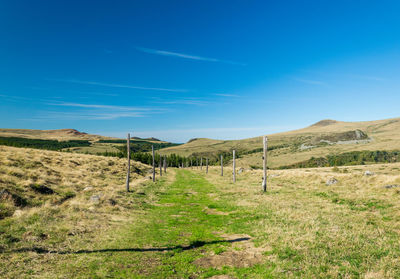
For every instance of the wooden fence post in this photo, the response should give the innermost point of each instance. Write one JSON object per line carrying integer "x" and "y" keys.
{"x": 154, "y": 164}
{"x": 206, "y": 165}
{"x": 128, "y": 151}
{"x": 160, "y": 165}
{"x": 234, "y": 166}
{"x": 264, "y": 182}
{"x": 222, "y": 166}
{"x": 165, "y": 163}
{"x": 201, "y": 163}
{"x": 191, "y": 163}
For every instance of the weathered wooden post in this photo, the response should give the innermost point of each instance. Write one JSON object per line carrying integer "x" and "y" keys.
{"x": 165, "y": 163}
{"x": 154, "y": 164}
{"x": 234, "y": 167}
{"x": 264, "y": 182}
{"x": 206, "y": 165}
{"x": 201, "y": 163}
{"x": 197, "y": 164}
{"x": 160, "y": 165}
{"x": 128, "y": 151}
{"x": 222, "y": 166}
{"x": 191, "y": 163}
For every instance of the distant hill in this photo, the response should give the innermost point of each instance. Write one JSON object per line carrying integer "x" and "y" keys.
{"x": 75, "y": 141}
{"x": 323, "y": 138}
{"x": 61, "y": 134}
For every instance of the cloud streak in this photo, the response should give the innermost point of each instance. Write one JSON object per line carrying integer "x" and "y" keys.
{"x": 226, "y": 95}
{"x": 116, "y": 85}
{"x": 186, "y": 56}
{"x": 309, "y": 81}
{"x": 97, "y": 112}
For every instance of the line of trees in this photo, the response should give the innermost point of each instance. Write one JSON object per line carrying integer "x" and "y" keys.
{"x": 349, "y": 159}
{"x": 142, "y": 145}
{"x": 42, "y": 144}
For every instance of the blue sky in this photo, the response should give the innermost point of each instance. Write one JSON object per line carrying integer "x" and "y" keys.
{"x": 183, "y": 69}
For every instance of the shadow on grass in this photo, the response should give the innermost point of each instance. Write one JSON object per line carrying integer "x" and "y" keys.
{"x": 193, "y": 245}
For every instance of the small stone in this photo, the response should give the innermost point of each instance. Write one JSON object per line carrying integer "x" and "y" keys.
{"x": 95, "y": 198}
{"x": 17, "y": 213}
{"x": 88, "y": 188}
{"x": 368, "y": 173}
{"x": 391, "y": 186}
{"x": 331, "y": 181}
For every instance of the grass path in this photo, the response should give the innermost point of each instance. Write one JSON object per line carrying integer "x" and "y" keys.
{"x": 164, "y": 240}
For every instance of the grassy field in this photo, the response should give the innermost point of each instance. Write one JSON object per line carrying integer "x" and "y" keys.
{"x": 195, "y": 225}
{"x": 286, "y": 148}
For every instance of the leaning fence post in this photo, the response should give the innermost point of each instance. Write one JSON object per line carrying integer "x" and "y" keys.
{"x": 206, "y": 165}
{"x": 154, "y": 164}
{"x": 264, "y": 182}
{"x": 234, "y": 167}
{"x": 128, "y": 151}
{"x": 222, "y": 166}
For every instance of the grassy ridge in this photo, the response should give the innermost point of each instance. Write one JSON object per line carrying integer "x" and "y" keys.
{"x": 318, "y": 140}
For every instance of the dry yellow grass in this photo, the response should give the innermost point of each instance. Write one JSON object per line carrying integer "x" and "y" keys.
{"x": 62, "y": 193}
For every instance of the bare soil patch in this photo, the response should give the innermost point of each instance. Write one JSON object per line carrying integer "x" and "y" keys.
{"x": 248, "y": 256}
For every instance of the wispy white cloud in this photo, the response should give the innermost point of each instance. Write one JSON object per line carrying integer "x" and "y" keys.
{"x": 184, "y": 102}
{"x": 96, "y": 106}
{"x": 309, "y": 81}
{"x": 226, "y": 95}
{"x": 186, "y": 56}
{"x": 96, "y": 112}
{"x": 115, "y": 85}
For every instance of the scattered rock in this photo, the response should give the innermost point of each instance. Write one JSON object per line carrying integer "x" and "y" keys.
{"x": 391, "y": 186}
{"x": 331, "y": 181}
{"x": 88, "y": 188}
{"x": 368, "y": 173}
{"x": 95, "y": 198}
{"x": 17, "y": 213}
{"x": 240, "y": 170}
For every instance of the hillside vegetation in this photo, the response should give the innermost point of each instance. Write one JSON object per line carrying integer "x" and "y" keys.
{"x": 47, "y": 197}
{"x": 327, "y": 137}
